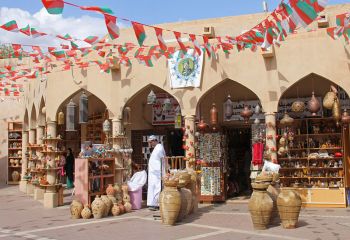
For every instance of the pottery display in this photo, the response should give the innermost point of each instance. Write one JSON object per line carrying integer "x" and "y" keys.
{"x": 298, "y": 106}
{"x": 98, "y": 207}
{"x": 86, "y": 212}
{"x": 15, "y": 176}
{"x": 115, "y": 210}
{"x": 127, "y": 207}
{"x": 75, "y": 209}
{"x": 313, "y": 105}
{"x": 289, "y": 204}
{"x": 186, "y": 203}
{"x": 260, "y": 206}
{"x": 108, "y": 203}
{"x": 110, "y": 190}
{"x": 169, "y": 203}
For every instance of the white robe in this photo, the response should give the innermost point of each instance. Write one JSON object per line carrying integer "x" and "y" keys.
{"x": 156, "y": 161}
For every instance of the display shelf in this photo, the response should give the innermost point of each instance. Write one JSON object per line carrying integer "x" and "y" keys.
{"x": 14, "y": 137}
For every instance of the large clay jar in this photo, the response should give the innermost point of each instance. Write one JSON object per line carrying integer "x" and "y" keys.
{"x": 75, "y": 209}
{"x": 289, "y": 204}
{"x": 186, "y": 203}
{"x": 112, "y": 198}
{"x": 86, "y": 212}
{"x": 98, "y": 207}
{"x": 170, "y": 202}
{"x": 15, "y": 176}
{"x": 184, "y": 179}
{"x": 108, "y": 203}
{"x": 260, "y": 206}
{"x": 193, "y": 187}
{"x": 115, "y": 210}
{"x": 273, "y": 190}
{"x": 127, "y": 207}
{"x": 110, "y": 190}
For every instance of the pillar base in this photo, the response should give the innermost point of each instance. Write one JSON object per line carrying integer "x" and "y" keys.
{"x": 23, "y": 186}
{"x": 50, "y": 200}
{"x": 30, "y": 189}
{"x": 38, "y": 193}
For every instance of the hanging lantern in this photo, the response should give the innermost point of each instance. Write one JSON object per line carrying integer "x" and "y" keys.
{"x": 313, "y": 105}
{"x": 257, "y": 111}
{"x": 228, "y": 105}
{"x": 202, "y": 125}
{"x": 336, "y": 111}
{"x": 213, "y": 115}
{"x": 167, "y": 104}
{"x": 178, "y": 118}
{"x": 70, "y": 116}
{"x": 345, "y": 117}
{"x": 127, "y": 116}
{"x": 298, "y": 106}
{"x": 246, "y": 113}
{"x": 83, "y": 108}
{"x": 106, "y": 127}
{"x": 286, "y": 120}
{"x": 151, "y": 98}
{"x": 60, "y": 118}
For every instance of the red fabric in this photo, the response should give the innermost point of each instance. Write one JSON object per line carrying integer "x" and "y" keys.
{"x": 258, "y": 150}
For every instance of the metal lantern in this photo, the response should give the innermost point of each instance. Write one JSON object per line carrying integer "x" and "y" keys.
{"x": 43, "y": 110}
{"x": 83, "y": 108}
{"x": 246, "y": 113}
{"x": 178, "y": 118}
{"x": 60, "y": 118}
{"x": 151, "y": 98}
{"x": 167, "y": 104}
{"x": 213, "y": 115}
{"x": 313, "y": 105}
{"x": 228, "y": 105}
{"x": 127, "y": 116}
{"x": 70, "y": 116}
{"x": 106, "y": 127}
{"x": 286, "y": 120}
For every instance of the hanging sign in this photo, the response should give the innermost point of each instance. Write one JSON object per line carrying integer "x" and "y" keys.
{"x": 162, "y": 115}
{"x": 185, "y": 69}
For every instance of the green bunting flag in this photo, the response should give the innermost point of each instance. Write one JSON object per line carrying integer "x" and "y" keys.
{"x": 102, "y": 10}
{"x": 139, "y": 32}
{"x": 53, "y": 6}
{"x": 10, "y": 26}
{"x": 91, "y": 40}
{"x": 25, "y": 30}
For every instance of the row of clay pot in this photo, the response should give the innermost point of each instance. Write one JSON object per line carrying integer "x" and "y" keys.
{"x": 178, "y": 198}
{"x": 100, "y": 207}
{"x": 266, "y": 206}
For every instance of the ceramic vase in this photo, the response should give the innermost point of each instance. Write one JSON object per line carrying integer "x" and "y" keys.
{"x": 260, "y": 206}
{"x": 86, "y": 212}
{"x": 108, "y": 203}
{"x": 15, "y": 176}
{"x": 127, "y": 207}
{"x": 170, "y": 203}
{"x": 110, "y": 190}
{"x": 75, "y": 209}
{"x": 273, "y": 190}
{"x": 115, "y": 210}
{"x": 289, "y": 204}
{"x": 98, "y": 207}
{"x": 121, "y": 208}
{"x": 186, "y": 203}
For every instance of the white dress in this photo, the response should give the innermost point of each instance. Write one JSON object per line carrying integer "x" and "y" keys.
{"x": 154, "y": 175}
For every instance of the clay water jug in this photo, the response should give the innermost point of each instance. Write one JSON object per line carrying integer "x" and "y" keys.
{"x": 289, "y": 204}
{"x": 15, "y": 176}
{"x": 86, "y": 212}
{"x": 75, "y": 209}
{"x": 186, "y": 202}
{"x": 108, "y": 203}
{"x": 98, "y": 207}
{"x": 110, "y": 190}
{"x": 127, "y": 207}
{"x": 169, "y": 202}
{"x": 115, "y": 209}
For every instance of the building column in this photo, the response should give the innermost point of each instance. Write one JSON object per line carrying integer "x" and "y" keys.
{"x": 271, "y": 146}
{"x": 189, "y": 141}
{"x": 51, "y": 195}
{"x": 23, "y": 182}
{"x": 32, "y": 139}
{"x": 117, "y": 130}
{"x": 39, "y": 134}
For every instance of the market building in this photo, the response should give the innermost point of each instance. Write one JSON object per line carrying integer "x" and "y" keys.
{"x": 222, "y": 145}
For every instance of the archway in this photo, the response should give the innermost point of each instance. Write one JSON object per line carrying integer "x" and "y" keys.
{"x": 312, "y": 137}
{"x": 231, "y": 136}
{"x": 33, "y": 119}
{"x": 26, "y": 121}
{"x": 153, "y": 119}
{"x": 42, "y": 113}
{"x": 85, "y": 133}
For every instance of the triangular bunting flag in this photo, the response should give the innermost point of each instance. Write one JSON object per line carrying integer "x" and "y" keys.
{"x": 159, "y": 34}
{"x": 102, "y": 10}
{"x": 179, "y": 40}
{"x": 139, "y": 32}
{"x": 91, "y": 39}
{"x": 196, "y": 45}
{"x": 35, "y": 33}
{"x": 25, "y": 30}
{"x": 112, "y": 27}
{"x": 53, "y": 6}
{"x": 10, "y": 26}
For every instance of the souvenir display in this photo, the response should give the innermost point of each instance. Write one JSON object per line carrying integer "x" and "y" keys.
{"x": 14, "y": 152}
{"x": 210, "y": 181}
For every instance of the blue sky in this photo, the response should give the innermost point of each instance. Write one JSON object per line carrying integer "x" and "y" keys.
{"x": 159, "y": 11}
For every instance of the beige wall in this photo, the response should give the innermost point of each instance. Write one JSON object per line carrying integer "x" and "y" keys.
{"x": 300, "y": 55}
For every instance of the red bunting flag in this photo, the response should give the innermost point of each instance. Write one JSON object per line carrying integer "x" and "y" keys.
{"x": 343, "y": 19}
{"x": 25, "y": 30}
{"x": 139, "y": 32}
{"x": 303, "y": 12}
{"x": 36, "y": 34}
{"x": 53, "y": 6}
{"x": 91, "y": 39}
{"x": 178, "y": 38}
{"x": 65, "y": 37}
{"x": 207, "y": 46}
{"x": 64, "y": 46}
{"x": 102, "y": 10}
{"x": 10, "y": 26}
{"x": 197, "y": 47}
{"x": 112, "y": 27}
{"x": 159, "y": 34}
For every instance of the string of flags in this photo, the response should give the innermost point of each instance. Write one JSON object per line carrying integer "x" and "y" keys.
{"x": 284, "y": 20}
{"x": 342, "y": 28}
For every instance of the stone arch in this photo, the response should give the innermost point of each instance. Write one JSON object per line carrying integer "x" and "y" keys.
{"x": 33, "y": 119}
{"x": 26, "y": 121}
{"x": 218, "y": 94}
{"x": 41, "y": 115}
{"x": 306, "y": 85}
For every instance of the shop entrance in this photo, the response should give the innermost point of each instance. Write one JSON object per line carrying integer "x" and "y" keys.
{"x": 238, "y": 161}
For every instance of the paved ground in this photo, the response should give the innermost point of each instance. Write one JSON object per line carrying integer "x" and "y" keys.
{"x": 21, "y": 217}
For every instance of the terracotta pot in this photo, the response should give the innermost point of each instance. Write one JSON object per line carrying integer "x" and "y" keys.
{"x": 170, "y": 203}
{"x": 115, "y": 210}
{"x": 289, "y": 204}
{"x": 86, "y": 212}
{"x": 127, "y": 207}
{"x": 260, "y": 206}
{"x": 110, "y": 190}
{"x": 108, "y": 203}
{"x": 75, "y": 209}
{"x": 186, "y": 203}
{"x": 313, "y": 105}
{"x": 98, "y": 207}
{"x": 213, "y": 115}
{"x": 15, "y": 176}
